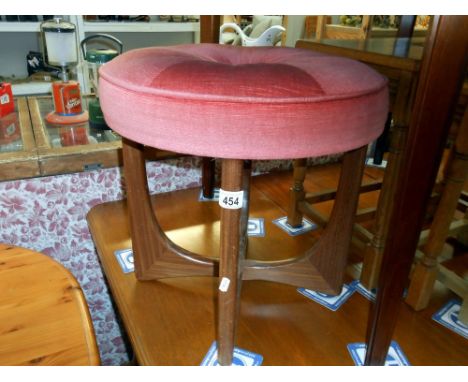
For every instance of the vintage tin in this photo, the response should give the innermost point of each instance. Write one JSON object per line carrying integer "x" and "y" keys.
{"x": 67, "y": 98}
{"x": 7, "y": 105}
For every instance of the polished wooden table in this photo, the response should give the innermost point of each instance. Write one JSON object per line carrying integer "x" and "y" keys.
{"x": 44, "y": 319}
{"x": 399, "y": 60}
{"x": 172, "y": 321}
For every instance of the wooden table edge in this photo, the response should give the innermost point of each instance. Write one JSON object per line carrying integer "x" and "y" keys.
{"x": 80, "y": 300}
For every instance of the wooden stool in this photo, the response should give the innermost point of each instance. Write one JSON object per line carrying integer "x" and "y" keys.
{"x": 241, "y": 104}
{"x": 44, "y": 319}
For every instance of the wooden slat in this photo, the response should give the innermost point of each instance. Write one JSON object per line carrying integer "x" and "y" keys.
{"x": 455, "y": 227}
{"x": 322, "y": 196}
{"x": 313, "y": 214}
{"x": 452, "y": 281}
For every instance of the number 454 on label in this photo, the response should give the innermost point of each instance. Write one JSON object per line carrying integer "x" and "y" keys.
{"x": 231, "y": 200}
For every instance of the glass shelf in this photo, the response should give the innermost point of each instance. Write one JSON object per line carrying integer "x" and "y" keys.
{"x": 31, "y": 147}
{"x": 72, "y": 135}
{"x": 74, "y": 148}
{"x": 71, "y": 148}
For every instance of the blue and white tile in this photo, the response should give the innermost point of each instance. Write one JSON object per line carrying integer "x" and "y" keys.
{"x": 448, "y": 317}
{"x": 256, "y": 227}
{"x": 370, "y": 163}
{"x": 369, "y": 294}
{"x": 125, "y": 259}
{"x": 305, "y": 227}
{"x": 241, "y": 357}
{"x": 331, "y": 302}
{"x": 215, "y": 197}
{"x": 395, "y": 356}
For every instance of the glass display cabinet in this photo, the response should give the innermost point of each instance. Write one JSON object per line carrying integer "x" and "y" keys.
{"x": 71, "y": 148}
{"x": 350, "y": 27}
{"x": 79, "y": 147}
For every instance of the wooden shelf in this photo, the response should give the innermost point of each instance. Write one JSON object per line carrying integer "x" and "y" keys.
{"x": 89, "y": 27}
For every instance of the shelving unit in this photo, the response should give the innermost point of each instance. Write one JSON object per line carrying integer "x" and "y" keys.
{"x": 84, "y": 28}
{"x": 107, "y": 27}
{"x": 16, "y": 39}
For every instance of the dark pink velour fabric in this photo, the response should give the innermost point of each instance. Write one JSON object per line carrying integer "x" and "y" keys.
{"x": 243, "y": 102}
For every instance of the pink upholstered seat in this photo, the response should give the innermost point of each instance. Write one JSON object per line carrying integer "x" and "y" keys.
{"x": 243, "y": 103}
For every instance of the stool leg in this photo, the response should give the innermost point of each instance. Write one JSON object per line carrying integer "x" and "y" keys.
{"x": 322, "y": 267}
{"x": 155, "y": 255}
{"x": 208, "y": 177}
{"x": 297, "y": 193}
{"x": 233, "y": 246}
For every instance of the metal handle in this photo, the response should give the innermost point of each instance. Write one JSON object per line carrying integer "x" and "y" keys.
{"x": 100, "y": 35}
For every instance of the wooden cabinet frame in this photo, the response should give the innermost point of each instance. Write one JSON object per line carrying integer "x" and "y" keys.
{"x": 24, "y": 163}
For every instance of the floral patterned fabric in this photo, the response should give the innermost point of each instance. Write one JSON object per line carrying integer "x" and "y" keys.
{"x": 48, "y": 215}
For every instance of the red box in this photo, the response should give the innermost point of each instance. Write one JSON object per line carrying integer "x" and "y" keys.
{"x": 7, "y": 105}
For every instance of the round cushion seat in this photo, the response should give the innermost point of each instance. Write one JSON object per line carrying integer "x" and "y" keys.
{"x": 243, "y": 103}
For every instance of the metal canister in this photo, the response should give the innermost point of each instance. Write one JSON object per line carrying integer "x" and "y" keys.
{"x": 67, "y": 98}
{"x": 95, "y": 58}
